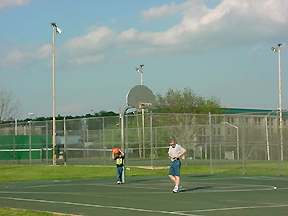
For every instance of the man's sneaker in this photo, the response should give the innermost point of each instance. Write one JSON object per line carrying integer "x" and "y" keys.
{"x": 118, "y": 182}
{"x": 175, "y": 189}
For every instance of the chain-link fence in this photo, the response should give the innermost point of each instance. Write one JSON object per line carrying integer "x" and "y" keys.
{"x": 210, "y": 140}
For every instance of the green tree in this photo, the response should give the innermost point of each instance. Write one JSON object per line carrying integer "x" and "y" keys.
{"x": 185, "y": 101}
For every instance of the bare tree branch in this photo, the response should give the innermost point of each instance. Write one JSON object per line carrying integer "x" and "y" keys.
{"x": 8, "y": 106}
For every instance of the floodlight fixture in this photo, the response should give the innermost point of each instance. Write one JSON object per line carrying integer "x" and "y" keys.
{"x": 55, "y": 26}
{"x": 140, "y": 69}
{"x": 277, "y": 48}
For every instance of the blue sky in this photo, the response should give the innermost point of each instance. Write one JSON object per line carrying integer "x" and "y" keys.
{"x": 217, "y": 48}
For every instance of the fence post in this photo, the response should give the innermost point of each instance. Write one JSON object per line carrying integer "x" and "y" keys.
{"x": 30, "y": 143}
{"x": 243, "y": 150}
{"x": 210, "y": 142}
{"x": 103, "y": 139}
{"x": 151, "y": 139}
{"x": 46, "y": 131}
{"x": 65, "y": 136}
{"x": 16, "y": 127}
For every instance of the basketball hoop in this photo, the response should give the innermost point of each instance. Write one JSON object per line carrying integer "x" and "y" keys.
{"x": 144, "y": 105}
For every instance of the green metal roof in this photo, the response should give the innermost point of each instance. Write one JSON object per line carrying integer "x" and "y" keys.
{"x": 243, "y": 110}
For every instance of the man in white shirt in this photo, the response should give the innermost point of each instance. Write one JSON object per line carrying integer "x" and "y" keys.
{"x": 176, "y": 152}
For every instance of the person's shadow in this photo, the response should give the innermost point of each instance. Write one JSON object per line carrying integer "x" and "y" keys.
{"x": 195, "y": 188}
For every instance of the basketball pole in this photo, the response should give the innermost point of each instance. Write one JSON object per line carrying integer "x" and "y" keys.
{"x": 140, "y": 70}
{"x": 138, "y": 97}
{"x": 123, "y": 144}
{"x": 143, "y": 131}
{"x": 122, "y": 140}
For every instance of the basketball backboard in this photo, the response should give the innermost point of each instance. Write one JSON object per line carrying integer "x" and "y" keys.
{"x": 140, "y": 96}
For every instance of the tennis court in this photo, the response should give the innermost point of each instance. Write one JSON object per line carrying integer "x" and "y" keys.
{"x": 201, "y": 195}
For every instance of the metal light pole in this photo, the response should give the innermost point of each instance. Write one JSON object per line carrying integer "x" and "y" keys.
{"x": 55, "y": 29}
{"x": 277, "y": 50}
{"x": 140, "y": 69}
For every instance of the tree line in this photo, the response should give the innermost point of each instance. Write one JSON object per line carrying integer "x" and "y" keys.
{"x": 173, "y": 101}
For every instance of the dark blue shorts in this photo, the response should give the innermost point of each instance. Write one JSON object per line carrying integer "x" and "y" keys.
{"x": 175, "y": 168}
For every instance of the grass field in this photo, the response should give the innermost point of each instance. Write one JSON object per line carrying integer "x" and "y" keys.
{"x": 47, "y": 172}
{"x": 20, "y": 212}
{"x": 81, "y": 190}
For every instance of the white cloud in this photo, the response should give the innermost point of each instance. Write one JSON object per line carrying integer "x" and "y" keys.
{"x": 89, "y": 48}
{"x": 95, "y": 39}
{"x": 162, "y": 11}
{"x": 153, "y": 38}
{"x": 13, "y": 3}
{"x": 88, "y": 59}
{"x": 243, "y": 19}
{"x": 17, "y": 56}
{"x": 195, "y": 6}
{"x": 14, "y": 57}
{"x": 43, "y": 51}
{"x": 229, "y": 22}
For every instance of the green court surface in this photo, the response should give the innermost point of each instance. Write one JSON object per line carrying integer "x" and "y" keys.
{"x": 201, "y": 195}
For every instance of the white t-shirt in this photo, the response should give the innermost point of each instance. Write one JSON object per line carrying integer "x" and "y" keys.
{"x": 176, "y": 151}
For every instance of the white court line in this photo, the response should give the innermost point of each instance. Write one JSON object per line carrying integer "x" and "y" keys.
{"x": 40, "y": 192}
{"x": 238, "y": 190}
{"x": 220, "y": 188}
{"x": 240, "y": 208}
{"x": 97, "y": 206}
{"x": 216, "y": 191}
{"x": 144, "y": 192}
{"x": 197, "y": 181}
{"x": 160, "y": 190}
{"x": 138, "y": 185}
{"x": 94, "y": 184}
{"x": 232, "y": 184}
{"x": 240, "y": 177}
{"x": 266, "y": 178}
